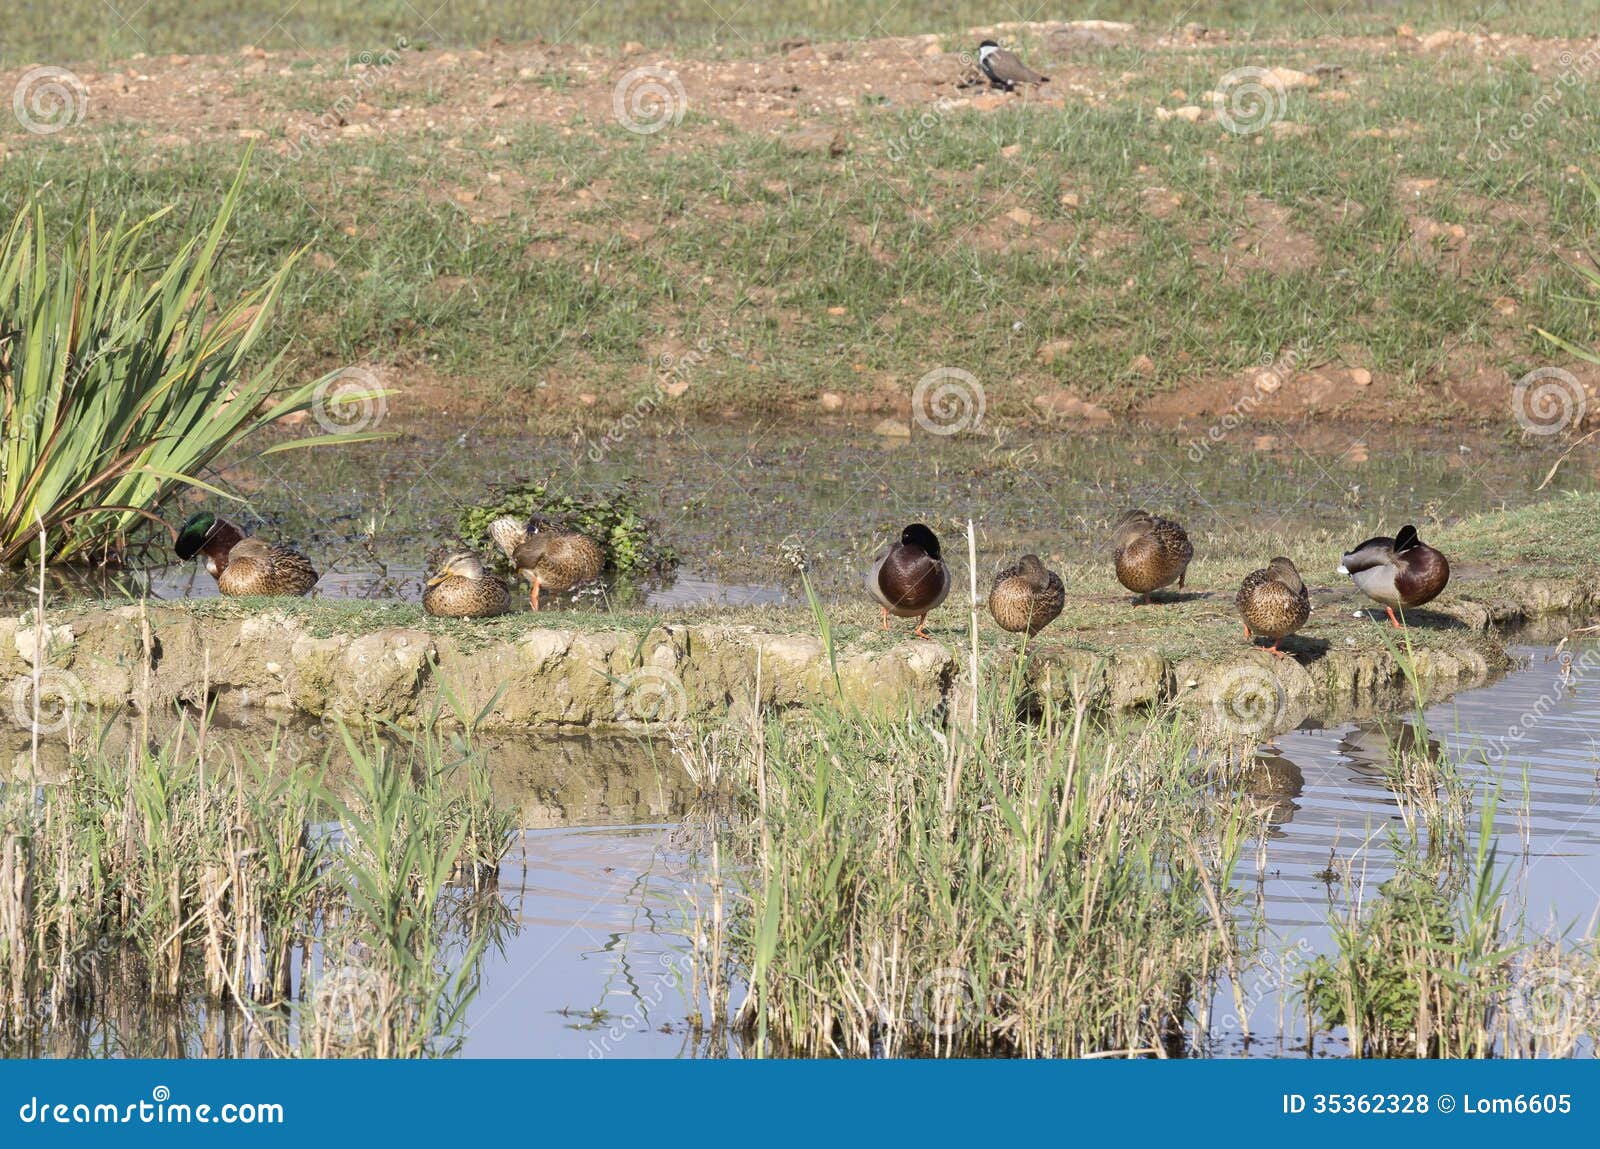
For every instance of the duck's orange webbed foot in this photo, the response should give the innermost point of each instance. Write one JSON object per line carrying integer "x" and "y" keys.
{"x": 1393, "y": 621}
{"x": 921, "y": 631}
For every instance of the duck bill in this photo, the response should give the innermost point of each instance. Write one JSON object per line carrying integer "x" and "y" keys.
{"x": 436, "y": 579}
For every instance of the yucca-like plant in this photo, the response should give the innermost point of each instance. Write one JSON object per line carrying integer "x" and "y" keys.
{"x": 120, "y": 383}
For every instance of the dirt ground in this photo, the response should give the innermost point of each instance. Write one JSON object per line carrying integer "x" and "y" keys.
{"x": 813, "y": 98}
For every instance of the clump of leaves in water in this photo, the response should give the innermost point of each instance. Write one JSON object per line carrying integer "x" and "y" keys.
{"x": 613, "y": 519}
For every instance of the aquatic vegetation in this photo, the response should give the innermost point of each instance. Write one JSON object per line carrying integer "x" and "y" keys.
{"x": 120, "y": 386}
{"x": 1043, "y": 889}
{"x": 612, "y": 518}
{"x": 336, "y": 916}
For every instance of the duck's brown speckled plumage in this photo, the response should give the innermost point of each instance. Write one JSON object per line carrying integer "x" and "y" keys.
{"x": 256, "y": 567}
{"x": 241, "y": 564}
{"x": 1026, "y": 597}
{"x": 548, "y": 558}
{"x": 463, "y": 589}
{"x": 1273, "y": 601}
{"x": 1150, "y": 553}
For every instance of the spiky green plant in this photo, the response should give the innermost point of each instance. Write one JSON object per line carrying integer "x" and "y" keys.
{"x": 119, "y": 384}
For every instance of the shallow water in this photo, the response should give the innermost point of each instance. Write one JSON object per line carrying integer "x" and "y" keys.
{"x": 1529, "y": 742}
{"x": 736, "y": 503}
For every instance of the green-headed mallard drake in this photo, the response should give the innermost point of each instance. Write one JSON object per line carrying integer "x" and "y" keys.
{"x": 241, "y": 564}
{"x": 1027, "y": 596}
{"x": 463, "y": 589}
{"x": 1150, "y": 553}
{"x": 1273, "y": 602}
{"x": 909, "y": 578}
{"x": 547, "y": 557}
{"x": 1403, "y": 571}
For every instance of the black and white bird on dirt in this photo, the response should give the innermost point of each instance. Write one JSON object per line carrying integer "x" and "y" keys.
{"x": 1004, "y": 69}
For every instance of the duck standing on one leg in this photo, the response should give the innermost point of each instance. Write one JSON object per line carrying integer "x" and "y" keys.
{"x": 548, "y": 558}
{"x": 909, "y": 578}
{"x": 241, "y": 564}
{"x": 1273, "y": 602}
{"x": 1400, "y": 572}
{"x": 463, "y": 589}
{"x": 1149, "y": 553}
{"x": 1027, "y": 596}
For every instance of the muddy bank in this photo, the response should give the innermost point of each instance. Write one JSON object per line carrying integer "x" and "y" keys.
{"x": 528, "y": 677}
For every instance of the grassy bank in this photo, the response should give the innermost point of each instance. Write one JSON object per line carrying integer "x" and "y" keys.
{"x": 80, "y": 29}
{"x": 486, "y": 229}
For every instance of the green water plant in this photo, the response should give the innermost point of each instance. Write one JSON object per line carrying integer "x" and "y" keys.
{"x": 122, "y": 379}
{"x": 613, "y": 518}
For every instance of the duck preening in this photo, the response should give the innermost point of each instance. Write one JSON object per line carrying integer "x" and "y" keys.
{"x": 1027, "y": 596}
{"x": 546, "y": 557}
{"x": 909, "y": 578}
{"x": 464, "y": 589}
{"x": 1149, "y": 553}
{"x": 1273, "y": 602}
{"x": 242, "y": 564}
{"x": 1400, "y": 572}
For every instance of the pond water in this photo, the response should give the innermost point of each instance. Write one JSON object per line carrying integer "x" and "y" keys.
{"x": 591, "y": 956}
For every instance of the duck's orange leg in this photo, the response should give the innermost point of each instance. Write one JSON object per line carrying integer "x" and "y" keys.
{"x": 1393, "y": 621}
{"x": 885, "y": 617}
{"x": 922, "y": 631}
{"x": 1247, "y": 633}
{"x": 533, "y": 596}
{"x": 1275, "y": 650}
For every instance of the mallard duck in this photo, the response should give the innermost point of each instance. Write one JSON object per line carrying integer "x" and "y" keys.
{"x": 909, "y": 578}
{"x": 463, "y": 589}
{"x": 241, "y": 564}
{"x": 1150, "y": 553}
{"x": 548, "y": 558}
{"x": 1273, "y": 602}
{"x": 1400, "y": 572}
{"x": 1026, "y": 596}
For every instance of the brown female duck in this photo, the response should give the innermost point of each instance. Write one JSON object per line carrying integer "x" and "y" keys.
{"x": 548, "y": 558}
{"x": 1273, "y": 602}
{"x": 1149, "y": 553}
{"x": 243, "y": 565}
{"x": 1026, "y": 597}
{"x": 1400, "y": 572}
{"x": 463, "y": 589}
{"x": 909, "y": 578}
